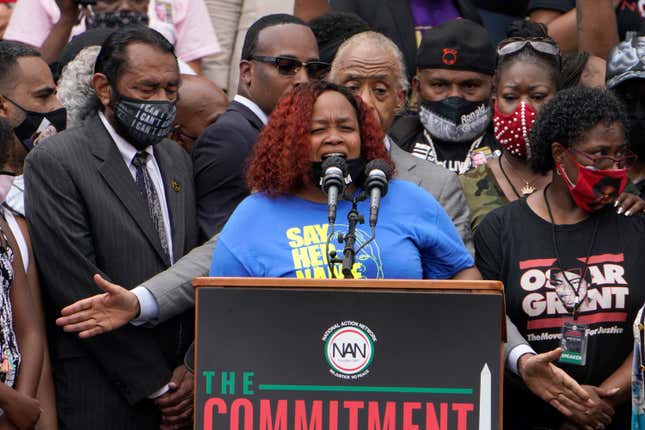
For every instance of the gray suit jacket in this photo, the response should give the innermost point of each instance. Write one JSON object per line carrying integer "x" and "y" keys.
{"x": 441, "y": 183}
{"x": 86, "y": 216}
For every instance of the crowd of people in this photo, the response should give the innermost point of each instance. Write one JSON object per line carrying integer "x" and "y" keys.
{"x": 135, "y": 156}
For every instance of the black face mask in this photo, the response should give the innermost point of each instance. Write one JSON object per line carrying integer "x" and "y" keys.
{"x": 39, "y": 125}
{"x": 455, "y": 119}
{"x": 355, "y": 172}
{"x": 143, "y": 122}
{"x": 117, "y": 19}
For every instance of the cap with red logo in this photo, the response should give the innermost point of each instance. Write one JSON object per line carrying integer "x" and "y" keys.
{"x": 459, "y": 45}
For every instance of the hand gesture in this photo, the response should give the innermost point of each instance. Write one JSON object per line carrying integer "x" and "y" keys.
{"x": 598, "y": 415}
{"x": 552, "y": 384}
{"x": 177, "y": 404}
{"x": 100, "y": 313}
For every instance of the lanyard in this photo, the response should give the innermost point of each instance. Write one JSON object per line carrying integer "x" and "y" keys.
{"x": 579, "y": 299}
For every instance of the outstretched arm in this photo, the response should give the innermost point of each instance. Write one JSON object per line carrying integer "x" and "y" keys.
{"x": 172, "y": 290}
{"x": 552, "y": 384}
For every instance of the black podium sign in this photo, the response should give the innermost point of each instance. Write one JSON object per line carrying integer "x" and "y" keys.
{"x": 290, "y": 359}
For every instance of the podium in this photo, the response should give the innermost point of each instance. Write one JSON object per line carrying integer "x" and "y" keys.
{"x": 291, "y": 354}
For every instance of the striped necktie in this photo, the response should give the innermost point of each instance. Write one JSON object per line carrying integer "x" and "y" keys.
{"x": 149, "y": 194}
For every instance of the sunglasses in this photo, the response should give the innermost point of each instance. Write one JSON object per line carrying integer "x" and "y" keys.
{"x": 316, "y": 69}
{"x": 539, "y": 44}
{"x": 606, "y": 162}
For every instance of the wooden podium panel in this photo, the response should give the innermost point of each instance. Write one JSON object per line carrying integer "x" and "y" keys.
{"x": 348, "y": 354}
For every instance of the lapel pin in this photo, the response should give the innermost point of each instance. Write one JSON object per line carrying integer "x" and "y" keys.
{"x": 175, "y": 186}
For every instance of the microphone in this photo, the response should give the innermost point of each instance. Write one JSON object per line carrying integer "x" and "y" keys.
{"x": 333, "y": 183}
{"x": 376, "y": 173}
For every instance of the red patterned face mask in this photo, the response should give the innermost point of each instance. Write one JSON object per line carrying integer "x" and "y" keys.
{"x": 594, "y": 189}
{"x": 512, "y": 130}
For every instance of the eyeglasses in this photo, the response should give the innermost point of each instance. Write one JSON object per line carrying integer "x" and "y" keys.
{"x": 290, "y": 66}
{"x": 607, "y": 162}
{"x": 539, "y": 44}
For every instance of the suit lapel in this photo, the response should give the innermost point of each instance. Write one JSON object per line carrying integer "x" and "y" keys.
{"x": 246, "y": 113}
{"x": 174, "y": 199}
{"x": 119, "y": 179}
{"x": 405, "y": 163}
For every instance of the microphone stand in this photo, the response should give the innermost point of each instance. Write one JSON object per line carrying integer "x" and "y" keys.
{"x": 349, "y": 238}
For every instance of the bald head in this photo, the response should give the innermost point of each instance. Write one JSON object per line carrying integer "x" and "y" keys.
{"x": 200, "y": 103}
{"x": 372, "y": 66}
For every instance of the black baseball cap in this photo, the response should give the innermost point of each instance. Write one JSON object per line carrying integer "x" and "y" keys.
{"x": 458, "y": 44}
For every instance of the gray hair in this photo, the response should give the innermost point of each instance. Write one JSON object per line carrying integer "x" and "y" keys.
{"x": 75, "y": 86}
{"x": 374, "y": 39}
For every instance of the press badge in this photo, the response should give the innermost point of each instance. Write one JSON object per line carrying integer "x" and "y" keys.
{"x": 574, "y": 344}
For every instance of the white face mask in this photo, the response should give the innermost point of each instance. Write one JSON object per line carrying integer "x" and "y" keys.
{"x": 6, "y": 181}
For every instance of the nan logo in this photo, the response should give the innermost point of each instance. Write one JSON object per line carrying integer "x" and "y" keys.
{"x": 349, "y": 349}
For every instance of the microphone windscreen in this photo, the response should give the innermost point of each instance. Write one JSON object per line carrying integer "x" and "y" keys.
{"x": 334, "y": 170}
{"x": 335, "y": 161}
{"x": 378, "y": 164}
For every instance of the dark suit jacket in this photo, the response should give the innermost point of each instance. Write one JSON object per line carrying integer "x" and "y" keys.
{"x": 394, "y": 19}
{"x": 87, "y": 216}
{"x": 220, "y": 156}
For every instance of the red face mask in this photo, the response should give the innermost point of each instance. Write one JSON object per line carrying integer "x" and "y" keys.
{"x": 512, "y": 130}
{"x": 594, "y": 188}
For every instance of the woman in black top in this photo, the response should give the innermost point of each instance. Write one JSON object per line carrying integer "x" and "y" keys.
{"x": 569, "y": 262}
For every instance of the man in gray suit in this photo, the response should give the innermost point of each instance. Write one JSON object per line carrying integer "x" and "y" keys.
{"x": 113, "y": 199}
{"x": 371, "y": 65}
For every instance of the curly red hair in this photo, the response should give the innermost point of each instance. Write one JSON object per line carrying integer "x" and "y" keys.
{"x": 280, "y": 162}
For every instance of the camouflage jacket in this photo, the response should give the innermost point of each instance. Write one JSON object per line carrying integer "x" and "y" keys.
{"x": 482, "y": 193}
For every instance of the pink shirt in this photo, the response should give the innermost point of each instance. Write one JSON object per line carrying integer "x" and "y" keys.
{"x": 185, "y": 23}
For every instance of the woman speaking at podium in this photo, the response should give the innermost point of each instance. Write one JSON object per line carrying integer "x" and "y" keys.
{"x": 282, "y": 229}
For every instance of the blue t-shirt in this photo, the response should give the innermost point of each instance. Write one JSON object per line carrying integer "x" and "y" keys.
{"x": 287, "y": 237}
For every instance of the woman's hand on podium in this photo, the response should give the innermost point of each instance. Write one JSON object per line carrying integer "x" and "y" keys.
{"x": 100, "y": 313}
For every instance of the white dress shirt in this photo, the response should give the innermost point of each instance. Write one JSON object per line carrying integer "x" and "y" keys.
{"x": 253, "y": 107}
{"x": 128, "y": 152}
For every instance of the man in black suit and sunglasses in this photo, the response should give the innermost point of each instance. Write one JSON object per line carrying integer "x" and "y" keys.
{"x": 279, "y": 52}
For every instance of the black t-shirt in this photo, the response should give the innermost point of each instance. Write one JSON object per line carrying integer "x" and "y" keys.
{"x": 628, "y": 13}
{"x": 515, "y": 246}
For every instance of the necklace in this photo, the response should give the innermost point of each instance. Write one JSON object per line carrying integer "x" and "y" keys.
{"x": 428, "y": 152}
{"x": 527, "y": 189}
